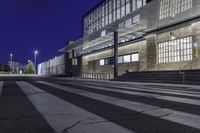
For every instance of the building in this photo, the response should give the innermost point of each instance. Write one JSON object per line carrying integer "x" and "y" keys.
{"x": 4, "y": 69}
{"x": 54, "y": 66}
{"x": 16, "y": 67}
{"x": 122, "y": 36}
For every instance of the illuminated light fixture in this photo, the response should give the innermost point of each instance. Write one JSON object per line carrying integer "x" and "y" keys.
{"x": 35, "y": 60}
{"x": 195, "y": 44}
{"x": 172, "y": 36}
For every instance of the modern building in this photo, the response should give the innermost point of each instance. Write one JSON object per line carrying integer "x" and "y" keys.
{"x": 122, "y": 36}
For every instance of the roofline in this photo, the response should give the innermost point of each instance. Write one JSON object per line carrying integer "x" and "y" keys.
{"x": 98, "y": 4}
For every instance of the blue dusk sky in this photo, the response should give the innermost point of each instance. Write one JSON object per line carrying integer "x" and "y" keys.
{"x": 43, "y": 25}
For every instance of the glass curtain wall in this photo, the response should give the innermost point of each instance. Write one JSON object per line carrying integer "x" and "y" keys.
{"x": 108, "y": 12}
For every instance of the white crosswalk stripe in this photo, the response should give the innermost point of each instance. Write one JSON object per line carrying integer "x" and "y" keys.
{"x": 1, "y": 87}
{"x": 157, "y": 96}
{"x": 162, "y": 113}
{"x": 157, "y": 90}
{"x": 62, "y": 115}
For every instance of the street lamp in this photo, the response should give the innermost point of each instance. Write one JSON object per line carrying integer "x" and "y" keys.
{"x": 35, "y": 61}
{"x": 11, "y": 58}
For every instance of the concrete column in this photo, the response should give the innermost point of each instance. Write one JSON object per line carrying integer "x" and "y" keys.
{"x": 73, "y": 54}
{"x": 66, "y": 60}
{"x": 73, "y": 66}
{"x": 115, "y": 54}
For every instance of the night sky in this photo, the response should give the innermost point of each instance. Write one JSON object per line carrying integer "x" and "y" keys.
{"x": 43, "y": 25}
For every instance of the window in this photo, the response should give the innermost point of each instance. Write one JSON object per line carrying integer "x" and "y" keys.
{"x": 136, "y": 19}
{"x": 133, "y": 5}
{"x": 127, "y": 58}
{"x": 175, "y": 50}
{"x": 121, "y": 25}
{"x": 102, "y": 62}
{"x": 120, "y": 59}
{"x": 135, "y": 57}
{"x": 129, "y": 22}
{"x": 128, "y": 9}
{"x": 103, "y": 33}
{"x": 123, "y": 11}
{"x": 169, "y": 8}
{"x": 74, "y": 62}
{"x": 139, "y": 3}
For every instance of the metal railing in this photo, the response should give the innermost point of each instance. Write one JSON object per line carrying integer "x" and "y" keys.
{"x": 100, "y": 76}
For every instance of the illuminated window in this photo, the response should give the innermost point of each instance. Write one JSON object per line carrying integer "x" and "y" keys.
{"x": 175, "y": 50}
{"x": 139, "y": 3}
{"x": 169, "y": 8}
{"x": 135, "y": 57}
{"x": 103, "y": 33}
{"x": 127, "y": 58}
{"x": 102, "y": 62}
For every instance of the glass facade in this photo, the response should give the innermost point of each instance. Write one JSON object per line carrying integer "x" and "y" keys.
{"x": 108, "y": 12}
{"x": 175, "y": 50}
{"x": 169, "y": 8}
{"x": 130, "y": 21}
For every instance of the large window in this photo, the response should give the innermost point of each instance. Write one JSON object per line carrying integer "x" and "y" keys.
{"x": 169, "y": 8}
{"x": 175, "y": 50}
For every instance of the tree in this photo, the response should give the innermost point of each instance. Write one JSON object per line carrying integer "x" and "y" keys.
{"x": 29, "y": 69}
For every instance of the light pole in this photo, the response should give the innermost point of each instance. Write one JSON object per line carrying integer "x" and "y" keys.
{"x": 35, "y": 61}
{"x": 11, "y": 58}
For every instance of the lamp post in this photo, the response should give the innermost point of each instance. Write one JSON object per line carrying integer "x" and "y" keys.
{"x": 11, "y": 58}
{"x": 35, "y": 61}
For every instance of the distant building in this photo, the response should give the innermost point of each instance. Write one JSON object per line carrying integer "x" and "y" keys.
{"x": 16, "y": 67}
{"x": 54, "y": 66}
{"x": 4, "y": 68}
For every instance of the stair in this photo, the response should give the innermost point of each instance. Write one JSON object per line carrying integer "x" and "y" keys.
{"x": 178, "y": 77}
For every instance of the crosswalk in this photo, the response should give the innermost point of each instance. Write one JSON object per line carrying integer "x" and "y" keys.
{"x": 157, "y": 96}
{"x": 164, "y": 113}
{"x": 99, "y": 107}
{"x": 61, "y": 115}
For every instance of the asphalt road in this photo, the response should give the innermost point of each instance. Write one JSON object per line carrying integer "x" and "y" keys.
{"x": 62, "y": 105}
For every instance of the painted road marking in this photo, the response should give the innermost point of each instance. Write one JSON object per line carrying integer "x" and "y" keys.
{"x": 163, "y": 113}
{"x": 61, "y": 114}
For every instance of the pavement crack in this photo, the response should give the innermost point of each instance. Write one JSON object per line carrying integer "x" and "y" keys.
{"x": 66, "y": 130}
